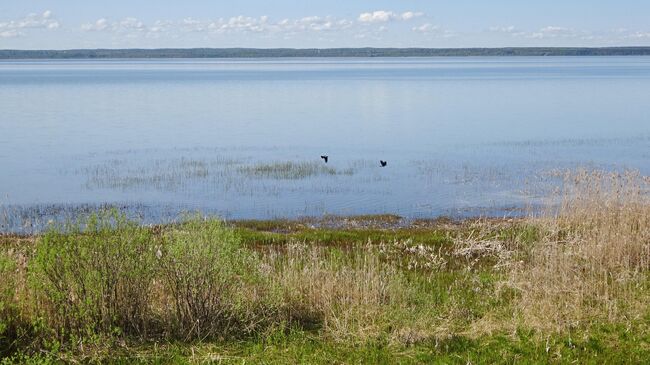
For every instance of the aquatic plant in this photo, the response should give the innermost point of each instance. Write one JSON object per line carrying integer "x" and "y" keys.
{"x": 290, "y": 170}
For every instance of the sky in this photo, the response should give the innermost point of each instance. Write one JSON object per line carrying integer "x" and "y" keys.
{"x": 66, "y": 24}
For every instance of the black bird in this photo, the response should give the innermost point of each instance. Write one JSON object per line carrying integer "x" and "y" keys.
{"x": 383, "y": 163}
{"x": 325, "y": 158}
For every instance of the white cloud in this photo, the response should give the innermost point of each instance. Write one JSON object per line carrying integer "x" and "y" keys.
{"x": 639, "y": 35}
{"x": 558, "y": 32}
{"x": 126, "y": 25}
{"x": 317, "y": 24}
{"x": 189, "y": 25}
{"x": 245, "y": 25}
{"x": 12, "y": 33}
{"x": 160, "y": 26}
{"x": 383, "y": 16}
{"x": 434, "y": 30}
{"x": 507, "y": 29}
{"x": 377, "y": 16}
{"x": 368, "y": 26}
{"x": 129, "y": 24}
{"x": 548, "y": 32}
{"x": 427, "y": 28}
{"x": 99, "y": 25}
{"x": 628, "y": 34}
{"x": 13, "y": 28}
{"x": 411, "y": 15}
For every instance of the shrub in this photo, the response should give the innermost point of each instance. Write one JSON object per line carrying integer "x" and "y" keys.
{"x": 214, "y": 283}
{"x": 94, "y": 277}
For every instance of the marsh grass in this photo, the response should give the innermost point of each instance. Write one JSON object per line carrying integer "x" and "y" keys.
{"x": 158, "y": 174}
{"x": 349, "y": 293}
{"x": 188, "y": 174}
{"x": 172, "y": 174}
{"x": 291, "y": 170}
{"x": 591, "y": 259}
{"x": 581, "y": 261}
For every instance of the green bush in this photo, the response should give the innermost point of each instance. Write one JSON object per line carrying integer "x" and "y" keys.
{"x": 8, "y": 307}
{"x": 214, "y": 282}
{"x": 94, "y": 278}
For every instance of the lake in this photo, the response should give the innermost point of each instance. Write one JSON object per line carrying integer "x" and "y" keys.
{"x": 242, "y": 138}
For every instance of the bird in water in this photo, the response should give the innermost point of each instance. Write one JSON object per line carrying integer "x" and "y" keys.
{"x": 383, "y": 163}
{"x": 325, "y": 158}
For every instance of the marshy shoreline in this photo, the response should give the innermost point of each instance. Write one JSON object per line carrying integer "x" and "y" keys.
{"x": 570, "y": 282}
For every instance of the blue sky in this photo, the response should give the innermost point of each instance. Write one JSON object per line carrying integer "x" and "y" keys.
{"x": 60, "y": 24}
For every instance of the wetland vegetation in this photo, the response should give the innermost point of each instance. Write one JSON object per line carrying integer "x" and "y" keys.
{"x": 569, "y": 283}
{"x": 177, "y": 173}
{"x": 291, "y": 170}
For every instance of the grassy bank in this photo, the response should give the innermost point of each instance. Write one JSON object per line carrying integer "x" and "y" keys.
{"x": 568, "y": 284}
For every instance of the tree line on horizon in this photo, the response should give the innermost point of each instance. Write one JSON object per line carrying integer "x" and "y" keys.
{"x": 315, "y": 52}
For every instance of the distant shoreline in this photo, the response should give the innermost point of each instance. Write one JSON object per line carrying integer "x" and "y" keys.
{"x": 9, "y": 54}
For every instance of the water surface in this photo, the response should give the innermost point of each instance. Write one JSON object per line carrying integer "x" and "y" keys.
{"x": 462, "y": 136}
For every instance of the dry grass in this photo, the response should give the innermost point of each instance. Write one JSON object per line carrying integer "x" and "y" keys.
{"x": 349, "y": 293}
{"x": 414, "y": 257}
{"x": 592, "y": 256}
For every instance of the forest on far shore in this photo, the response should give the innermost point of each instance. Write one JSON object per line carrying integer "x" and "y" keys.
{"x": 329, "y": 52}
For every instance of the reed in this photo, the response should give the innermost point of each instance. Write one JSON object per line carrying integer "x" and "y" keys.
{"x": 290, "y": 170}
{"x": 348, "y": 293}
{"x": 592, "y": 255}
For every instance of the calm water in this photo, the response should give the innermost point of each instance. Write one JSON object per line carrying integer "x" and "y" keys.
{"x": 461, "y": 136}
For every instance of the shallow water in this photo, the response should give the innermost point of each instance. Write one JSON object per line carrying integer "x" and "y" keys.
{"x": 462, "y": 136}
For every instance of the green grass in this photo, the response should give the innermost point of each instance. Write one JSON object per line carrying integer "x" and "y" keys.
{"x": 342, "y": 237}
{"x": 283, "y": 231}
{"x": 605, "y": 345}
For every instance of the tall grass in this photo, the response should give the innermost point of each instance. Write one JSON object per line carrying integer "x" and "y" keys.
{"x": 349, "y": 292}
{"x": 592, "y": 255}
